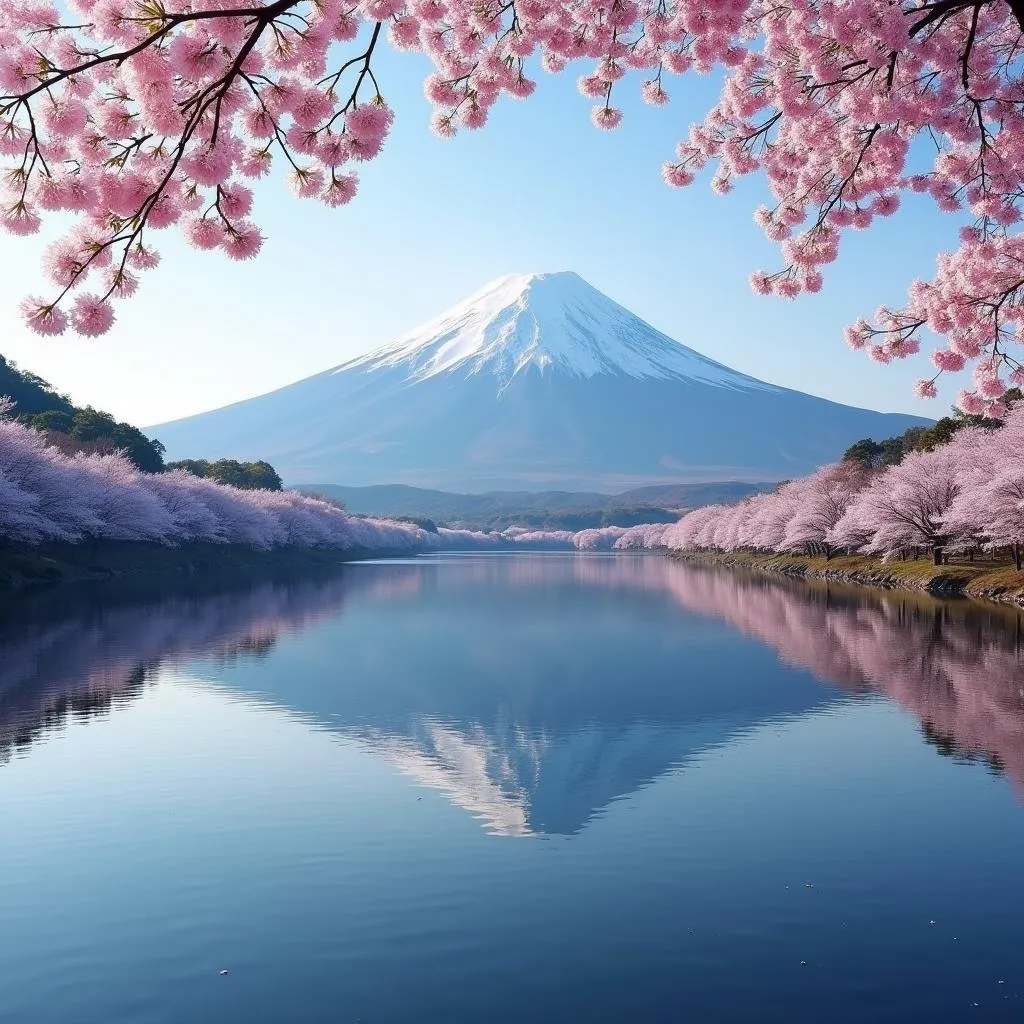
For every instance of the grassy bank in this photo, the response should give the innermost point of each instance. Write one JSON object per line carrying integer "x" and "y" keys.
{"x": 59, "y": 563}
{"x": 994, "y": 581}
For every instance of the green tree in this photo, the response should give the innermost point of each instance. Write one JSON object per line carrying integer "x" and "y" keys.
{"x": 865, "y": 451}
{"x": 92, "y": 426}
{"x": 197, "y": 467}
{"x": 52, "y": 419}
{"x": 249, "y": 476}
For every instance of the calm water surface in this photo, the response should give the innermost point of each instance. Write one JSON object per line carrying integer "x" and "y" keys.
{"x": 509, "y": 788}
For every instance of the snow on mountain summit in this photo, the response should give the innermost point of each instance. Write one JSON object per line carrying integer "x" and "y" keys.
{"x": 547, "y": 321}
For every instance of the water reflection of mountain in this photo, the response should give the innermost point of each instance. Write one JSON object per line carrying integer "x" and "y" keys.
{"x": 533, "y": 691}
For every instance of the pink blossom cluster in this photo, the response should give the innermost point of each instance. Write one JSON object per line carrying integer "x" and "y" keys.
{"x": 48, "y": 496}
{"x": 964, "y": 495}
{"x": 845, "y": 107}
{"x": 133, "y": 116}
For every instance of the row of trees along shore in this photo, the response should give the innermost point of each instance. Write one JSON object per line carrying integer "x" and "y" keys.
{"x": 74, "y": 475}
{"x": 958, "y": 487}
{"x": 48, "y": 495}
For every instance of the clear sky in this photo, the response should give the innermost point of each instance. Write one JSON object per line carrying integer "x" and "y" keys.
{"x": 538, "y": 189}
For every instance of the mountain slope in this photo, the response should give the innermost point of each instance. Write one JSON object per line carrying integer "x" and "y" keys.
{"x": 536, "y": 381}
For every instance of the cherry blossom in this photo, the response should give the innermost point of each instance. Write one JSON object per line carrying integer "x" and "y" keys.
{"x": 130, "y": 117}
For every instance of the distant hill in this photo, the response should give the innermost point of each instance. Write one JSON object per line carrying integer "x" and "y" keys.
{"x": 543, "y": 509}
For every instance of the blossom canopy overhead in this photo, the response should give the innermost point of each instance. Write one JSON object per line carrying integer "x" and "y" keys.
{"x": 134, "y": 116}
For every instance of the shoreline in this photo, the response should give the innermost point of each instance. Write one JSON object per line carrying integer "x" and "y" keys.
{"x": 978, "y": 581}
{"x": 53, "y": 564}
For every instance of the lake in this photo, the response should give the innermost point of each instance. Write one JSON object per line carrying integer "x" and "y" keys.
{"x": 509, "y": 788}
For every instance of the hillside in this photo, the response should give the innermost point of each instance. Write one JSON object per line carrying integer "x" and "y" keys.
{"x": 70, "y": 428}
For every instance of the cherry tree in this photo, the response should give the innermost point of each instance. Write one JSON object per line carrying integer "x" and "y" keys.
{"x": 59, "y": 486}
{"x": 965, "y": 494}
{"x": 688, "y": 533}
{"x": 824, "y": 498}
{"x": 905, "y": 506}
{"x": 643, "y": 537}
{"x": 598, "y": 539}
{"x": 732, "y": 524}
{"x": 192, "y": 520}
{"x": 135, "y": 116}
{"x": 765, "y": 529}
{"x": 121, "y": 507}
{"x": 19, "y": 513}
{"x": 989, "y": 509}
{"x": 48, "y": 496}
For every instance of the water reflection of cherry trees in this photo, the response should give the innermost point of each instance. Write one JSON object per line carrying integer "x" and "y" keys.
{"x": 80, "y": 652}
{"x": 957, "y": 666}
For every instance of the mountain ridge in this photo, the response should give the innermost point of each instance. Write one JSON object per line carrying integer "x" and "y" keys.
{"x": 543, "y": 509}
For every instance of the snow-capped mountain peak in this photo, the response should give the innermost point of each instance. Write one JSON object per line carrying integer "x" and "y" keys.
{"x": 536, "y": 381}
{"x": 550, "y": 322}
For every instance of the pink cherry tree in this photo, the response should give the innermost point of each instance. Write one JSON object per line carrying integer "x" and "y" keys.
{"x": 824, "y": 498}
{"x": 989, "y": 510}
{"x": 904, "y": 507}
{"x": 765, "y": 528}
{"x": 695, "y": 530}
{"x": 48, "y": 496}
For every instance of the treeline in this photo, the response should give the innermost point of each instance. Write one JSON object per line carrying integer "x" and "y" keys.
{"x": 72, "y": 429}
{"x": 892, "y": 450}
{"x": 47, "y": 495}
{"x": 581, "y": 519}
{"x": 957, "y": 487}
{"x": 75, "y": 430}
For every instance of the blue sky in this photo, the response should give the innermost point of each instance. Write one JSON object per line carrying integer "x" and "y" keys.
{"x": 538, "y": 189}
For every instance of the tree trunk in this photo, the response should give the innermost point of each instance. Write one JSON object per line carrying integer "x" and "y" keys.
{"x": 937, "y": 553}
{"x": 1016, "y": 556}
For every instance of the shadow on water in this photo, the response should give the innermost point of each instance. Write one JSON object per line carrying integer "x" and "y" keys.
{"x": 535, "y": 690}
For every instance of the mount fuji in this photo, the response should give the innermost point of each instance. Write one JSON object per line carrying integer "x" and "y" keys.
{"x": 536, "y": 381}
